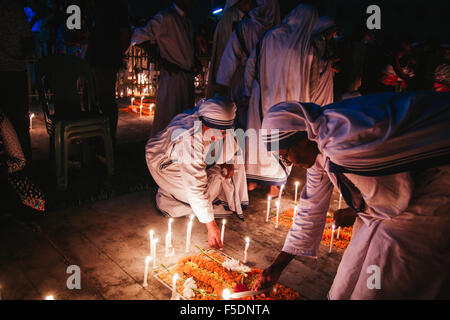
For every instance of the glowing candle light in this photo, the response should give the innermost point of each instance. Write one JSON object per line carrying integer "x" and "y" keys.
{"x": 188, "y": 233}
{"x": 222, "y": 234}
{"x": 151, "y": 233}
{"x": 247, "y": 244}
{"x": 49, "y": 298}
{"x": 278, "y": 214}
{"x": 226, "y": 294}
{"x": 31, "y": 121}
{"x": 296, "y": 190}
{"x": 132, "y": 102}
{"x": 140, "y": 113}
{"x": 340, "y": 202}
{"x": 155, "y": 242}
{"x": 332, "y": 236}
{"x": 174, "y": 287}
{"x": 147, "y": 262}
{"x": 281, "y": 193}
{"x": 295, "y": 213}
{"x": 269, "y": 198}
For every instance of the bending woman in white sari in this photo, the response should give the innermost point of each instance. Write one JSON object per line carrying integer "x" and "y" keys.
{"x": 195, "y": 162}
{"x": 389, "y": 156}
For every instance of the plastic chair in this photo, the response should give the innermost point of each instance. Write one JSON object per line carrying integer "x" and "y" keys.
{"x": 70, "y": 113}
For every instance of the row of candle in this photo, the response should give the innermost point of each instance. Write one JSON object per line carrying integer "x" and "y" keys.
{"x": 151, "y": 105}
{"x": 278, "y": 204}
{"x": 170, "y": 250}
{"x": 269, "y": 198}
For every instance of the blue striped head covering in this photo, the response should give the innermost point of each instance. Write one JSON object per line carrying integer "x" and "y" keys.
{"x": 285, "y": 124}
{"x": 217, "y": 113}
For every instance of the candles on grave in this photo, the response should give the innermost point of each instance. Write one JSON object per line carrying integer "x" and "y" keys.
{"x": 155, "y": 242}
{"x": 247, "y": 244}
{"x": 296, "y": 190}
{"x": 269, "y": 198}
{"x": 278, "y": 214}
{"x": 147, "y": 262}
{"x": 174, "y": 286}
{"x": 151, "y": 233}
{"x": 332, "y": 236}
{"x": 188, "y": 233}
{"x": 222, "y": 234}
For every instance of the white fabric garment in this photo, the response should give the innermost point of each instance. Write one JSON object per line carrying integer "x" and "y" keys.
{"x": 322, "y": 88}
{"x": 405, "y": 229}
{"x": 189, "y": 182}
{"x": 263, "y": 17}
{"x": 175, "y": 39}
{"x": 222, "y": 34}
{"x": 284, "y": 74}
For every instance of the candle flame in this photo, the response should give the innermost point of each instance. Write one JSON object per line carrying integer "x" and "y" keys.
{"x": 148, "y": 259}
{"x": 297, "y": 183}
{"x": 247, "y": 239}
{"x": 226, "y": 294}
{"x": 49, "y": 298}
{"x": 224, "y": 221}
{"x": 278, "y": 204}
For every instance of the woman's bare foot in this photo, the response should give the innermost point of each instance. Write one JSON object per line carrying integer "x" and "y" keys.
{"x": 274, "y": 191}
{"x": 252, "y": 186}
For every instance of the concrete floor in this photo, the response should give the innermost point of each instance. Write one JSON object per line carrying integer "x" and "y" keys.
{"x": 108, "y": 240}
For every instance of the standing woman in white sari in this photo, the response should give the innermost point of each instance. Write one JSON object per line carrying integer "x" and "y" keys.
{"x": 279, "y": 69}
{"x": 243, "y": 40}
{"x": 322, "y": 83}
{"x": 234, "y": 11}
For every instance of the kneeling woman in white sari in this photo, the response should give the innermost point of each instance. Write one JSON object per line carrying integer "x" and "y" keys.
{"x": 195, "y": 162}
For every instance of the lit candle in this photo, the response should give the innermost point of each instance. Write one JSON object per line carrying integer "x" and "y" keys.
{"x": 49, "y": 298}
{"x": 31, "y": 121}
{"x": 340, "y": 202}
{"x": 295, "y": 213}
{"x": 155, "y": 241}
{"x": 278, "y": 214}
{"x": 188, "y": 233}
{"x": 147, "y": 261}
{"x": 132, "y": 103}
{"x": 268, "y": 208}
{"x": 247, "y": 244}
{"x": 222, "y": 234}
{"x": 281, "y": 193}
{"x": 167, "y": 252}
{"x": 332, "y": 236}
{"x": 140, "y": 113}
{"x": 296, "y": 190}
{"x": 174, "y": 286}
{"x": 169, "y": 231}
{"x": 151, "y": 233}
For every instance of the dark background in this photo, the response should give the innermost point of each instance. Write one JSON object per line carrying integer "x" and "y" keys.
{"x": 417, "y": 19}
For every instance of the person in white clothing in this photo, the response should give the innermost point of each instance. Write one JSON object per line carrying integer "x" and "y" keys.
{"x": 195, "y": 162}
{"x": 234, "y": 11}
{"x": 389, "y": 156}
{"x": 279, "y": 69}
{"x": 172, "y": 32}
{"x": 243, "y": 40}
